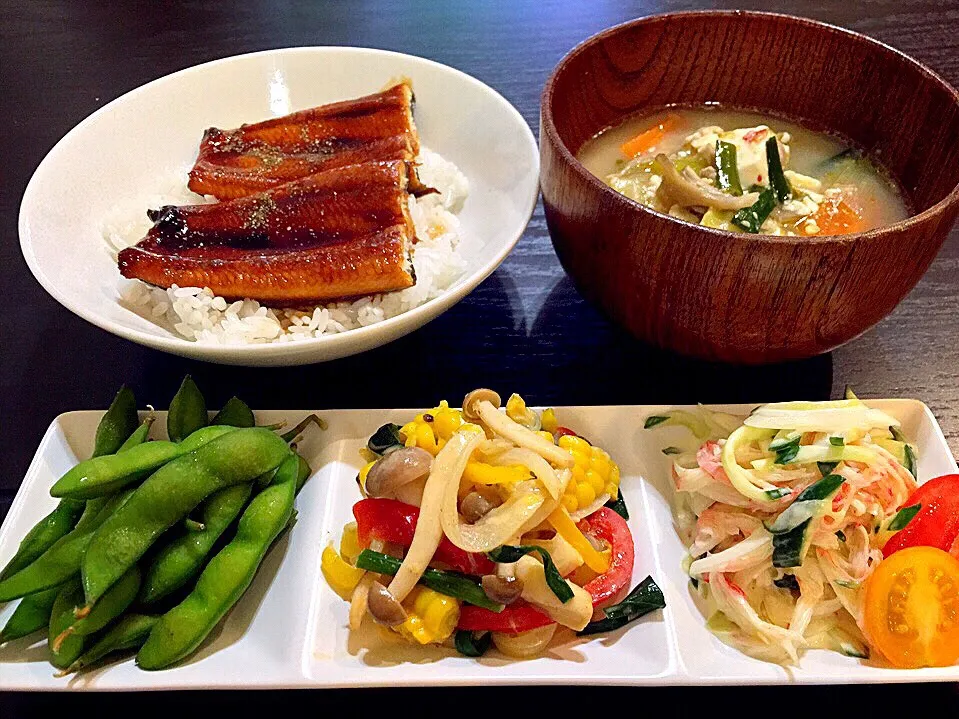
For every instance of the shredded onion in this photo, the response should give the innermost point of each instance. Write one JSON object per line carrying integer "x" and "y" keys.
{"x": 499, "y": 423}
{"x": 497, "y": 526}
{"x": 536, "y": 464}
{"x": 447, "y": 470}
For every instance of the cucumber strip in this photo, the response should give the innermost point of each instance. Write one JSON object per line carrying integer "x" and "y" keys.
{"x": 903, "y": 517}
{"x": 816, "y": 453}
{"x": 811, "y": 503}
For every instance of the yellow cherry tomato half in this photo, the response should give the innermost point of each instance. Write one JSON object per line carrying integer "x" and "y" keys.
{"x": 912, "y": 608}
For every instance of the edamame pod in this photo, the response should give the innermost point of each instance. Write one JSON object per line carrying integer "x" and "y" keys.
{"x": 119, "y": 422}
{"x": 62, "y": 560}
{"x": 100, "y": 476}
{"x": 110, "y": 606}
{"x": 168, "y": 496}
{"x": 303, "y": 472}
{"x": 43, "y": 535}
{"x": 31, "y": 615}
{"x": 235, "y": 413}
{"x": 64, "y": 518}
{"x": 68, "y": 599}
{"x": 183, "y": 558}
{"x": 187, "y": 411}
{"x": 224, "y": 580}
{"x": 130, "y": 632}
{"x": 140, "y": 435}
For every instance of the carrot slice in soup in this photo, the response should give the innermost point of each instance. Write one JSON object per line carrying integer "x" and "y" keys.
{"x": 838, "y": 217}
{"x": 648, "y": 139}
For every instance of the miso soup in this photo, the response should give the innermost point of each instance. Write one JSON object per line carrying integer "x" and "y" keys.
{"x": 744, "y": 172}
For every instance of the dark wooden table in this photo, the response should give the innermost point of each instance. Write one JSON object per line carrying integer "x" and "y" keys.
{"x": 524, "y": 329}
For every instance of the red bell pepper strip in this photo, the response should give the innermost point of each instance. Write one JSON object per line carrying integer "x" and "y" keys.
{"x": 390, "y": 520}
{"x": 607, "y": 525}
{"x": 521, "y": 617}
{"x": 937, "y": 522}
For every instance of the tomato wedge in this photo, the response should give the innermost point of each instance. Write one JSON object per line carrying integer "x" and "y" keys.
{"x": 390, "y": 520}
{"x": 514, "y": 619}
{"x": 912, "y": 608}
{"x": 604, "y": 524}
{"x": 937, "y": 522}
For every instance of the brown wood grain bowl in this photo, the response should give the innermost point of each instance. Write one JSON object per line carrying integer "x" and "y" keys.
{"x": 728, "y": 296}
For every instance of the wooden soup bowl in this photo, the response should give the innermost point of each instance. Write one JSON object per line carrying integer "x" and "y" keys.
{"x": 731, "y": 296}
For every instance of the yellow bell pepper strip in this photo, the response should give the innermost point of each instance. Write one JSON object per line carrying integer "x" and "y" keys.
{"x": 340, "y": 575}
{"x": 567, "y": 528}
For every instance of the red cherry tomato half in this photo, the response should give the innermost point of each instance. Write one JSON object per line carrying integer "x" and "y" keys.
{"x": 937, "y": 522}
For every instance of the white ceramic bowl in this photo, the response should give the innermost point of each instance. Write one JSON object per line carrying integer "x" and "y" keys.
{"x": 121, "y": 152}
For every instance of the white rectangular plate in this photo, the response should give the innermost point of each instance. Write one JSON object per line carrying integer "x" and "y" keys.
{"x": 289, "y": 630}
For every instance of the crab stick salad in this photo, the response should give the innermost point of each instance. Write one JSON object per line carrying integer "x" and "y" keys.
{"x": 478, "y": 526}
{"x": 806, "y": 529}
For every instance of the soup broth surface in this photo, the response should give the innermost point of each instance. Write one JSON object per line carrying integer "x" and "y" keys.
{"x": 837, "y": 191}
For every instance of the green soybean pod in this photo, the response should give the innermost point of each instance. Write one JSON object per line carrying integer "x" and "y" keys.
{"x": 69, "y": 598}
{"x": 129, "y": 632}
{"x": 43, "y": 535}
{"x": 119, "y": 422}
{"x": 183, "y": 558}
{"x": 62, "y": 560}
{"x": 169, "y": 495}
{"x": 100, "y": 476}
{"x": 64, "y": 518}
{"x": 303, "y": 472}
{"x": 110, "y": 606}
{"x": 235, "y": 413}
{"x": 31, "y": 615}
{"x": 228, "y": 575}
{"x": 140, "y": 435}
{"x": 187, "y": 411}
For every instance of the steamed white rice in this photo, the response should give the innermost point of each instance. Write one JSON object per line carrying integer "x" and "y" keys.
{"x": 195, "y": 313}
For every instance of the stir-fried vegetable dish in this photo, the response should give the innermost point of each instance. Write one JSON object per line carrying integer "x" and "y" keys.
{"x": 479, "y": 526}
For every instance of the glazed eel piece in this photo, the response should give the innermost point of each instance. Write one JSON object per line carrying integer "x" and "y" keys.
{"x": 256, "y": 157}
{"x": 335, "y": 234}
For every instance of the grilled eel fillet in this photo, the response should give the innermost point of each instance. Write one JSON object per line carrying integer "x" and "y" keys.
{"x": 340, "y": 233}
{"x": 257, "y": 157}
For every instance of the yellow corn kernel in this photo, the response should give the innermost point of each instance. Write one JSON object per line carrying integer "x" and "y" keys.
{"x": 550, "y": 424}
{"x": 575, "y": 444}
{"x": 425, "y": 439}
{"x": 482, "y": 473}
{"x": 340, "y": 575}
{"x": 595, "y": 481}
{"x": 547, "y": 436}
{"x": 585, "y": 494}
{"x": 612, "y": 490}
{"x": 599, "y": 463}
{"x": 431, "y": 616}
{"x": 614, "y": 477}
{"x": 446, "y": 420}
{"x": 350, "y": 543}
{"x": 569, "y": 502}
{"x": 516, "y": 409}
